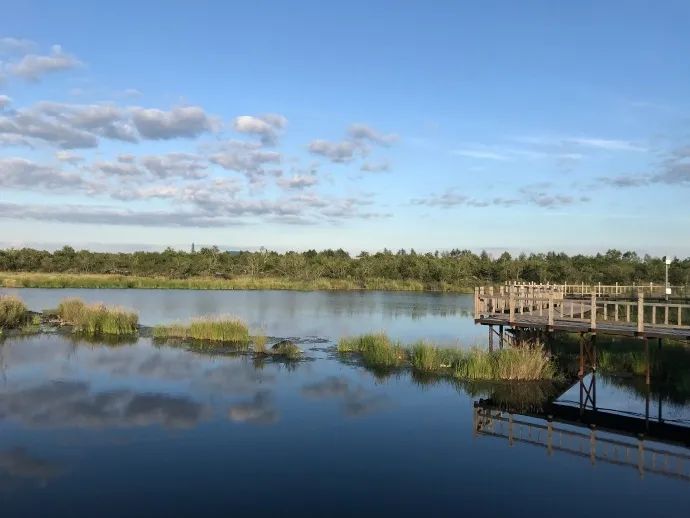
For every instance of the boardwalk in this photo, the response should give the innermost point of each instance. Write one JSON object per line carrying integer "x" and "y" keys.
{"x": 551, "y": 308}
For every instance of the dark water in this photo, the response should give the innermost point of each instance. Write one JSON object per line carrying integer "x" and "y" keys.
{"x": 144, "y": 430}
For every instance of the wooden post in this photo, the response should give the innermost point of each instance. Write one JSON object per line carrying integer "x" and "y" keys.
{"x": 476, "y": 302}
{"x": 551, "y": 309}
{"x": 511, "y": 305}
{"x": 646, "y": 354}
{"x": 593, "y": 313}
{"x": 640, "y": 311}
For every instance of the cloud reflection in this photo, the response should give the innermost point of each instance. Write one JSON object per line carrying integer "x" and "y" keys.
{"x": 73, "y": 404}
{"x": 259, "y": 410}
{"x": 356, "y": 401}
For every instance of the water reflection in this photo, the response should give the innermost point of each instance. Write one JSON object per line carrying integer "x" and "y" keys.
{"x": 18, "y": 466}
{"x": 90, "y": 430}
{"x": 77, "y": 404}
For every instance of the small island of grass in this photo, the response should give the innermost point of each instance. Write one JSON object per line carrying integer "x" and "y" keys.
{"x": 514, "y": 364}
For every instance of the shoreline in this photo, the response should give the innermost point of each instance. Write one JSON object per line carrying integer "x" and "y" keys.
{"x": 114, "y": 281}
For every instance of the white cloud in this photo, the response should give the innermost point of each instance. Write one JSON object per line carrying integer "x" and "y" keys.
{"x": 16, "y": 46}
{"x": 267, "y": 126}
{"x": 20, "y": 173}
{"x": 180, "y": 122}
{"x": 247, "y": 158}
{"x": 180, "y": 165}
{"x": 33, "y": 66}
{"x": 298, "y": 181}
{"x": 376, "y": 167}
{"x": 5, "y": 100}
{"x": 339, "y": 152}
{"x": 364, "y": 132}
{"x": 68, "y": 157}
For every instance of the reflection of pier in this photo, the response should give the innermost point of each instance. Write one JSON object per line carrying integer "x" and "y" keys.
{"x": 611, "y": 436}
{"x": 609, "y": 441}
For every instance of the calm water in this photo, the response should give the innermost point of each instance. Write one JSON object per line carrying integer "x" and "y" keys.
{"x": 145, "y": 430}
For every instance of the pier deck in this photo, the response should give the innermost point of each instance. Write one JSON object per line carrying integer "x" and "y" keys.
{"x": 549, "y": 308}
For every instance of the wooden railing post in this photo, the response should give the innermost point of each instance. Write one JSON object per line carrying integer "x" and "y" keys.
{"x": 593, "y": 312}
{"x": 640, "y": 311}
{"x": 551, "y": 309}
{"x": 476, "y": 303}
{"x": 511, "y": 305}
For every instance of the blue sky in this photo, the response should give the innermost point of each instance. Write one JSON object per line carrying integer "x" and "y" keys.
{"x": 293, "y": 125}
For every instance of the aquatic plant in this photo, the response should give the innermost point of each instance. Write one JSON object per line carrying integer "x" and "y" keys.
{"x": 12, "y": 311}
{"x": 260, "y": 343}
{"x": 519, "y": 363}
{"x": 97, "y": 319}
{"x": 211, "y": 329}
{"x": 376, "y": 350}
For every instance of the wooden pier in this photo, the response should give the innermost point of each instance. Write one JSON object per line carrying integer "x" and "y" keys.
{"x": 588, "y": 309}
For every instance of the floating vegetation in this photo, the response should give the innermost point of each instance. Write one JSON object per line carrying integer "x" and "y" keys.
{"x": 515, "y": 364}
{"x": 97, "y": 319}
{"x": 13, "y": 312}
{"x": 207, "y": 329}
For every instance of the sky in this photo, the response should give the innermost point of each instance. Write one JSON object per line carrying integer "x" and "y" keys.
{"x": 497, "y": 125}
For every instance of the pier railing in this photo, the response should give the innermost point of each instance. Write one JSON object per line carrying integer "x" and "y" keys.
{"x": 650, "y": 289}
{"x": 548, "y": 305}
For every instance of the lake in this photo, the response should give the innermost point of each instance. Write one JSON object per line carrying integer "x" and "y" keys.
{"x": 142, "y": 429}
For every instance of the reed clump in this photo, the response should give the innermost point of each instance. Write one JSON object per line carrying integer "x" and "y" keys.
{"x": 260, "y": 343}
{"x": 97, "y": 319}
{"x": 376, "y": 349}
{"x": 13, "y": 311}
{"x": 210, "y": 329}
{"x": 514, "y": 364}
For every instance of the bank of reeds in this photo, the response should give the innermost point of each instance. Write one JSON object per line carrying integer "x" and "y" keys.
{"x": 515, "y": 364}
{"x": 97, "y": 319}
{"x": 13, "y": 312}
{"x": 68, "y": 280}
{"x": 208, "y": 329}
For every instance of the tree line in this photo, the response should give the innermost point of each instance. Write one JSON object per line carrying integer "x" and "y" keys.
{"x": 455, "y": 267}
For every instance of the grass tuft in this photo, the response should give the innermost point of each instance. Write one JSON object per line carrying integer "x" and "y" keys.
{"x": 12, "y": 312}
{"x": 97, "y": 319}
{"x": 211, "y": 329}
{"x": 260, "y": 344}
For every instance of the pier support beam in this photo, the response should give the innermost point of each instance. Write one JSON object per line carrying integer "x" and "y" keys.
{"x": 588, "y": 353}
{"x": 491, "y": 338}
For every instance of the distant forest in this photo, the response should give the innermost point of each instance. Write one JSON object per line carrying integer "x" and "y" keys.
{"x": 434, "y": 270}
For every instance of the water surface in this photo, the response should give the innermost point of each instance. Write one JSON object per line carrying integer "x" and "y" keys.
{"x": 141, "y": 429}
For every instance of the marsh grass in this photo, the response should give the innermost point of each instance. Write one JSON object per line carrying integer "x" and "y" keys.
{"x": 68, "y": 280}
{"x": 260, "y": 343}
{"x": 97, "y": 319}
{"x": 207, "y": 329}
{"x": 13, "y": 312}
{"x": 376, "y": 349}
{"x": 514, "y": 364}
